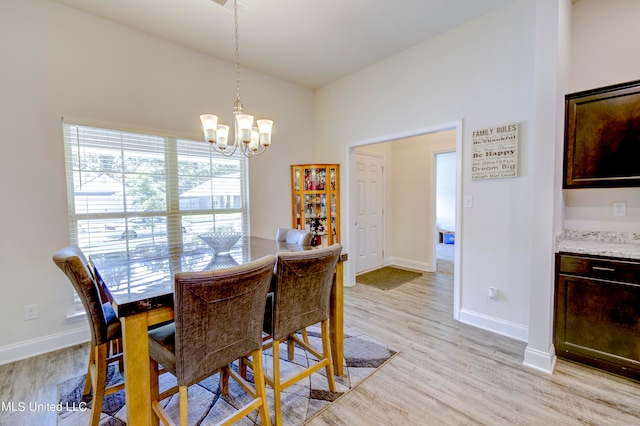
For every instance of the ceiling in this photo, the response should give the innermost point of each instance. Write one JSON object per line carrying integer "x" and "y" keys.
{"x": 311, "y": 43}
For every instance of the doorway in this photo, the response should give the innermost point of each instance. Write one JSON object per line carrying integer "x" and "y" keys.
{"x": 393, "y": 211}
{"x": 445, "y": 218}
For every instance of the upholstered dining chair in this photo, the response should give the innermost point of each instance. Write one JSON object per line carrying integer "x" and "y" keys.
{"x": 218, "y": 319}
{"x": 299, "y": 237}
{"x": 104, "y": 326}
{"x": 301, "y": 298}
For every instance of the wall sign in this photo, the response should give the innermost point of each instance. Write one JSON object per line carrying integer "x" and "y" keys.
{"x": 495, "y": 152}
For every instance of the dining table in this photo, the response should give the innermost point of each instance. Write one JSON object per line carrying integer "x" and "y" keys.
{"x": 140, "y": 286}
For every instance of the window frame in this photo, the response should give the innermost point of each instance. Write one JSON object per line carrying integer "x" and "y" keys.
{"x": 172, "y": 150}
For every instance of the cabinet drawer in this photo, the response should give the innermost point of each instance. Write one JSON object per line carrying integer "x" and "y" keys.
{"x": 604, "y": 269}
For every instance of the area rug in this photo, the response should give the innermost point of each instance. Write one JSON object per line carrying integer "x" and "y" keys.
{"x": 387, "y": 278}
{"x": 362, "y": 357}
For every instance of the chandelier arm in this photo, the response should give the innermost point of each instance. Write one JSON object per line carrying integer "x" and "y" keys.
{"x": 225, "y": 152}
{"x": 248, "y": 153}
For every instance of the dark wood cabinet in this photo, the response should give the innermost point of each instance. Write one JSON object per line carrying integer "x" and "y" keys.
{"x": 602, "y": 137}
{"x": 597, "y": 312}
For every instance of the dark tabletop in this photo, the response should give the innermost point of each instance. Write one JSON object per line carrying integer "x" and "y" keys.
{"x": 144, "y": 281}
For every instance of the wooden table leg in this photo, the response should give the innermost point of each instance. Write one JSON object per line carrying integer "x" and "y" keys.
{"x": 137, "y": 376}
{"x": 336, "y": 321}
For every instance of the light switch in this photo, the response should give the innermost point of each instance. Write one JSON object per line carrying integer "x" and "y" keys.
{"x": 468, "y": 201}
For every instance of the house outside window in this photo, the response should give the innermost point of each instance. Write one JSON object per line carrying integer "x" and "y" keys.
{"x": 134, "y": 194}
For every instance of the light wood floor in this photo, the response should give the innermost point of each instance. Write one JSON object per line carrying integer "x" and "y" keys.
{"x": 34, "y": 381}
{"x": 447, "y": 373}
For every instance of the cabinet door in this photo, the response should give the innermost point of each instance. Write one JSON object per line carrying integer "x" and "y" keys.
{"x": 296, "y": 179}
{"x": 315, "y": 206}
{"x": 315, "y": 213}
{"x": 598, "y": 323}
{"x": 298, "y": 214}
{"x": 315, "y": 179}
{"x": 334, "y": 215}
{"x": 602, "y": 137}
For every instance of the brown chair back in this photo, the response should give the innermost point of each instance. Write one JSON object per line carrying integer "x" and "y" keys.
{"x": 302, "y": 290}
{"x": 218, "y": 316}
{"x": 72, "y": 261}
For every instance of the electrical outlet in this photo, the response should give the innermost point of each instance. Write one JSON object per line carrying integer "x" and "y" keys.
{"x": 30, "y": 312}
{"x": 493, "y": 293}
{"x": 620, "y": 209}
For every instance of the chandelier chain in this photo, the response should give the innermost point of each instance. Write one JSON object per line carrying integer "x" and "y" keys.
{"x": 235, "y": 14}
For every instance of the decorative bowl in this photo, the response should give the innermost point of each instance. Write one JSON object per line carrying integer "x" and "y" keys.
{"x": 220, "y": 242}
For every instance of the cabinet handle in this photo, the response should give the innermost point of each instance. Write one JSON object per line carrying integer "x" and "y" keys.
{"x": 603, "y": 268}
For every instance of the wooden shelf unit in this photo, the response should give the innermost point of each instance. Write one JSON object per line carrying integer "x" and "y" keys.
{"x": 315, "y": 201}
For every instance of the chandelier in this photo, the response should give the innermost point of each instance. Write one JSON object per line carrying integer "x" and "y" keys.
{"x": 252, "y": 140}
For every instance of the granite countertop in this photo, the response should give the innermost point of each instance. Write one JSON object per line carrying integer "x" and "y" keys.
{"x": 625, "y": 245}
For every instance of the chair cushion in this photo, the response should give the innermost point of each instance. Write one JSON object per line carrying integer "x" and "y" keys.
{"x": 267, "y": 325}
{"x": 162, "y": 346}
{"x": 281, "y": 234}
{"x": 290, "y": 236}
{"x": 113, "y": 323}
{"x": 293, "y": 236}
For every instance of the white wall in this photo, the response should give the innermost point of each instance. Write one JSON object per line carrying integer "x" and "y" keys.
{"x": 604, "y": 51}
{"x": 57, "y": 62}
{"x": 484, "y": 73}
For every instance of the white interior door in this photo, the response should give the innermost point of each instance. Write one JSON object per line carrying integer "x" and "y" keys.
{"x": 369, "y": 211}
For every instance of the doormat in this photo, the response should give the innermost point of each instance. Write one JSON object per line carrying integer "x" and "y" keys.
{"x": 362, "y": 357}
{"x": 387, "y": 278}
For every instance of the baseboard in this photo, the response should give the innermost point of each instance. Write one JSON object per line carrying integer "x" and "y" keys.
{"x": 39, "y": 346}
{"x": 408, "y": 263}
{"x": 496, "y": 325}
{"x": 539, "y": 360}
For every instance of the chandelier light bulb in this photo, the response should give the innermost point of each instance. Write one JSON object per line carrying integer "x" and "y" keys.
{"x": 255, "y": 140}
{"x": 210, "y": 126}
{"x": 222, "y": 134}
{"x": 245, "y": 124}
{"x": 264, "y": 128}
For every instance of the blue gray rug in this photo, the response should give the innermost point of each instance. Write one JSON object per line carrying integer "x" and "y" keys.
{"x": 362, "y": 357}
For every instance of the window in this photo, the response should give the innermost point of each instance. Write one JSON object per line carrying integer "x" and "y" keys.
{"x": 131, "y": 194}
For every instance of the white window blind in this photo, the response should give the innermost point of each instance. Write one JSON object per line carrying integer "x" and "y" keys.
{"x": 131, "y": 194}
